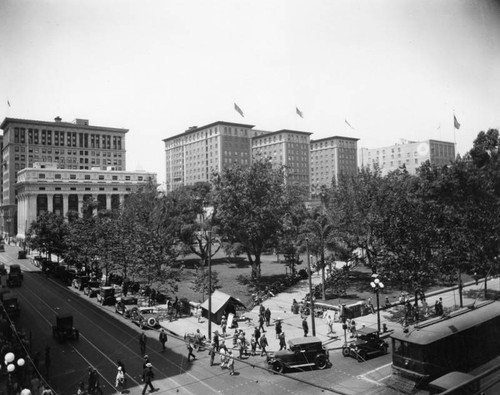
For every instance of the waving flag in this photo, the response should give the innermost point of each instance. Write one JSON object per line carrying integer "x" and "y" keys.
{"x": 299, "y": 113}
{"x": 348, "y": 124}
{"x": 238, "y": 110}
{"x": 455, "y": 122}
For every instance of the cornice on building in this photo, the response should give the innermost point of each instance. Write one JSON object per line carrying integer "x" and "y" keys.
{"x": 59, "y": 124}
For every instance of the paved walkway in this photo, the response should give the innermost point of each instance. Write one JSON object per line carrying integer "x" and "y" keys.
{"x": 280, "y": 306}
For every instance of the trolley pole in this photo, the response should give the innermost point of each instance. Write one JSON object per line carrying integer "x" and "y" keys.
{"x": 209, "y": 249}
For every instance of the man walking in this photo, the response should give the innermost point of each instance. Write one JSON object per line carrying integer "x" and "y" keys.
{"x": 223, "y": 325}
{"x": 216, "y": 340}
{"x": 163, "y": 339}
{"x": 267, "y": 315}
{"x": 142, "y": 342}
{"x": 261, "y": 323}
{"x": 282, "y": 341}
{"x": 230, "y": 363}
{"x": 190, "y": 351}
{"x": 147, "y": 377}
{"x": 305, "y": 326}
{"x": 211, "y": 352}
{"x": 263, "y": 344}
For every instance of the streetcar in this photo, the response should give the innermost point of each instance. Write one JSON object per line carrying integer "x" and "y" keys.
{"x": 460, "y": 341}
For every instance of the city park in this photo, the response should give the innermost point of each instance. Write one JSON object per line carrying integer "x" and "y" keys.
{"x": 249, "y": 233}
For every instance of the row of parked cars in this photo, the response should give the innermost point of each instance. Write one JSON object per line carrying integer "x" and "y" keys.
{"x": 127, "y": 306}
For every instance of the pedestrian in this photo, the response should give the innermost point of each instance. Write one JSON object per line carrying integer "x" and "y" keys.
{"x": 436, "y": 307}
{"x": 223, "y": 352}
{"x": 425, "y": 308}
{"x": 257, "y": 334}
{"x": 211, "y": 352}
{"x": 223, "y": 325}
{"x": 230, "y": 363}
{"x": 305, "y": 326}
{"x": 163, "y": 339}
{"x": 35, "y": 384}
{"x": 277, "y": 327}
{"x": 25, "y": 391}
{"x": 92, "y": 379}
{"x": 353, "y": 328}
{"x": 142, "y": 342}
{"x": 198, "y": 313}
{"x": 441, "y": 310}
{"x": 241, "y": 345}
{"x": 329, "y": 323}
{"x": 47, "y": 390}
{"x": 147, "y": 377}
{"x": 190, "y": 351}
{"x": 145, "y": 362}
{"x": 120, "y": 380}
{"x": 263, "y": 344}
{"x": 253, "y": 345}
{"x": 235, "y": 337}
{"x": 282, "y": 341}
{"x": 262, "y": 310}
{"x": 387, "y": 302}
{"x": 267, "y": 315}
{"x": 216, "y": 340}
{"x": 370, "y": 306}
{"x": 261, "y": 323}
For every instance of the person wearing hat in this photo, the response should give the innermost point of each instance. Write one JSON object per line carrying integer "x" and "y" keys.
{"x": 282, "y": 341}
{"x": 120, "y": 380}
{"x": 216, "y": 340}
{"x": 146, "y": 361}
{"x": 163, "y": 339}
{"x": 190, "y": 351}
{"x": 147, "y": 376}
{"x": 230, "y": 363}
{"x": 223, "y": 325}
{"x": 142, "y": 342}
{"x": 211, "y": 352}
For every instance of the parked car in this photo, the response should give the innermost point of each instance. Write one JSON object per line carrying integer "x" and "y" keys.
{"x": 92, "y": 288}
{"x": 15, "y": 278}
{"x": 145, "y": 317}
{"x": 106, "y": 295}
{"x": 125, "y": 305}
{"x": 64, "y": 329}
{"x": 22, "y": 254}
{"x": 37, "y": 260}
{"x": 301, "y": 352}
{"x": 10, "y": 304}
{"x": 368, "y": 344}
{"x": 80, "y": 282}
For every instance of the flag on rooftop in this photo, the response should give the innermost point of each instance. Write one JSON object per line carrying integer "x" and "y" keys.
{"x": 455, "y": 122}
{"x": 348, "y": 124}
{"x": 299, "y": 113}
{"x": 238, "y": 110}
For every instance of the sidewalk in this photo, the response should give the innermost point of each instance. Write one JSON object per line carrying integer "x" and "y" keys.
{"x": 292, "y": 323}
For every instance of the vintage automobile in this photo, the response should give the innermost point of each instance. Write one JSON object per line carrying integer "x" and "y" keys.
{"x": 106, "y": 295}
{"x": 10, "y": 304}
{"x": 125, "y": 305}
{"x": 301, "y": 352}
{"x": 37, "y": 260}
{"x": 15, "y": 278}
{"x": 22, "y": 254}
{"x": 92, "y": 288}
{"x": 79, "y": 282}
{"x": 145, "y": 317}
{"x": 368, "y": 344}
{"x": 64, "y": 329}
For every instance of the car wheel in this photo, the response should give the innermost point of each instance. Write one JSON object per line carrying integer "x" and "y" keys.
{"x": 152, "y": 322}
{"x": 345, "y": 351}
{"x": 320, "y": 362}
{"x": 278, "y": 367}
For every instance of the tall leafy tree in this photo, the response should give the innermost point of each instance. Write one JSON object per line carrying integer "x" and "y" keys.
{"x": 251, "y": 203}
{"x": 48, "y": 234}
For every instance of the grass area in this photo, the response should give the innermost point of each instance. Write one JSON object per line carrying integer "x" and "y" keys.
{"x": 232, "y": 270}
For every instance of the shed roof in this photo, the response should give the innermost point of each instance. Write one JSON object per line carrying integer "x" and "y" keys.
{"x": 219, "y": 299}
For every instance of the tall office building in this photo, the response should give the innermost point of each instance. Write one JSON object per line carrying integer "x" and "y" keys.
{"x": 192, "y": 156}
{"x": 331, "y": 157}
{"x": 411, "y": 154}
{"x": 289, "y": 148}
{"x": 76, "y": 146}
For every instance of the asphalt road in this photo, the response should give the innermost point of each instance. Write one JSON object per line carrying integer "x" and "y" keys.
{"x": 106, "y": 337}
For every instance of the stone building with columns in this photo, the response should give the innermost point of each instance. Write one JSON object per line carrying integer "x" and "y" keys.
{"x": 45, "y": 187}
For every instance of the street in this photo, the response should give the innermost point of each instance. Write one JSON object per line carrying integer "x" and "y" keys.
{"x": 106, "y": 337}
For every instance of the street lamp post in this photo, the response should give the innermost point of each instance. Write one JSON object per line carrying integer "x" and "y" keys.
{"x": 313, "y": 325}
{"x": 209, "y": 249}
{"x": 11, "y": 367}
{"x": 377, "y": 285}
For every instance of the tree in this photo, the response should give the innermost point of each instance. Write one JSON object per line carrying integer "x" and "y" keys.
{"x": 251, "y": 203}
{"x": 357, "y": 201}
{"x": 48, "y": 234}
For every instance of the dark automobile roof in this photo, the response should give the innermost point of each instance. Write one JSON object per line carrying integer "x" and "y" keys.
{"x": 303, "y": 340}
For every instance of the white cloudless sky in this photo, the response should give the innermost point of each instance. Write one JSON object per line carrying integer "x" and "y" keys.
{"x": 394, "y": 69}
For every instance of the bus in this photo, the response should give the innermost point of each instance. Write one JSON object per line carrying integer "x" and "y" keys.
{"x": 460, "y": 341}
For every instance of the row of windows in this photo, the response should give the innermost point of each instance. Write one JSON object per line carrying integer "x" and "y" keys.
{"x": 70, "y": 139}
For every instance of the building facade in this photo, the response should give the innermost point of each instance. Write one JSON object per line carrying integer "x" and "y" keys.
{"x": 410, "y": 154}
{"x": 192, "y": 156}
{"x": 73, "y": 145}
{"x": 289, "y": 148}
{"x": 331, "y": 157}
{"x": 45, "y": 187}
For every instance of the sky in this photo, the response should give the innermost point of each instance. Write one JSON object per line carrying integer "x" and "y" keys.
{"x": 394, "y": 69}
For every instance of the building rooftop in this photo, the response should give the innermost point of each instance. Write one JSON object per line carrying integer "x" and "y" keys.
{"x": 78, "y": 124}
